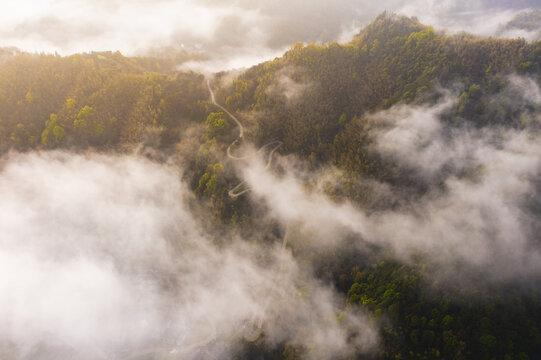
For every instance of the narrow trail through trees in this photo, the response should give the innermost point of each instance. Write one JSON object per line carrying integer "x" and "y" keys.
{"x": 273, "y": 145}
{"x": 234, "y": 192}
{"x": 250, "y": 333}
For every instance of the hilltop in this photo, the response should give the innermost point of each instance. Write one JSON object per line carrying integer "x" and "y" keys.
{"x": 332, "y": 108}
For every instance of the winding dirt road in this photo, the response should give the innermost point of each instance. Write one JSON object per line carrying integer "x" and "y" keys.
{"x": 253, "y": 333}
{"x": 235, "y": 119}
{"x": 213, "y": 99}
{"x": 250, "y": 333}
{"x": 234, "y": 192}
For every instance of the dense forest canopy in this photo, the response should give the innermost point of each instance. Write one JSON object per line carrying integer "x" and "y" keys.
{"x": 404, "y": 191}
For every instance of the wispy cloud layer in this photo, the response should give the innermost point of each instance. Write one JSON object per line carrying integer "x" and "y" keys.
{"x": 233, "y": 33}
{"x": 478, "y": 213}
{"x": 100, "y": 258}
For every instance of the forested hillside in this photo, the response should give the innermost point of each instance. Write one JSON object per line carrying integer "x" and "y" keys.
{"x": 326, "y": 104}
{"x": 103, "y": 100}
{"x": 394, "y": 60}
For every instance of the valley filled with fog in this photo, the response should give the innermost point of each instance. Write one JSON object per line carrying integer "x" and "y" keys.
{"x": 270, "y": 181}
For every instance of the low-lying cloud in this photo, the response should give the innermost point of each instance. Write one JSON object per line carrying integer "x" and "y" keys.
{"x": 230, "y": 33}
{"x": 100, "y": 258}
{"x": 478, "y": 213}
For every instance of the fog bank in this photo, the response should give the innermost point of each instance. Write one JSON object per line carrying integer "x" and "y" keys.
{"x": 100, "y": 258}
{"x": 478, "y": 212}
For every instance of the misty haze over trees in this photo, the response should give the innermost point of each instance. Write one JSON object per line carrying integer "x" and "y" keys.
{"x": 375, "y": 197}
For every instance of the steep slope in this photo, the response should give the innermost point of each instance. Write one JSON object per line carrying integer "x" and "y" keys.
{"x": 395, "y": 59}
{"x": 99, "y": 99}
{"x": 461, "y": 165}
